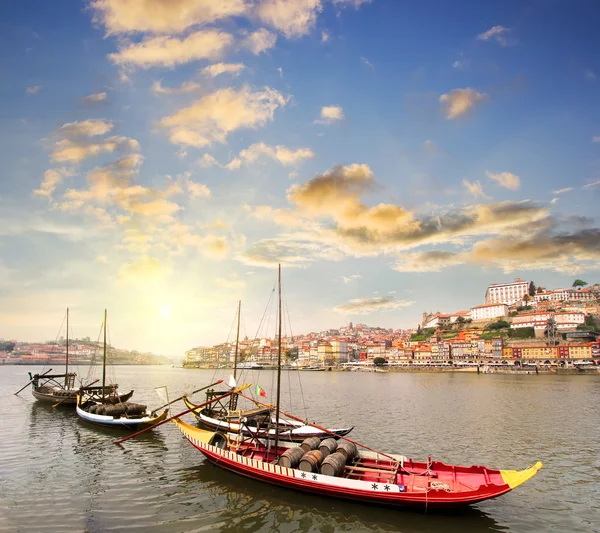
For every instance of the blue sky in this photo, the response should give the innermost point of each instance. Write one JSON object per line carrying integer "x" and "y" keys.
{"x": 160, "y": 158}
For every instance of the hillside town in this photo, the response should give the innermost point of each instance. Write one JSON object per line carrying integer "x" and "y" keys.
{"x": 81, "y": 352}
{"x": 517, "y": 325}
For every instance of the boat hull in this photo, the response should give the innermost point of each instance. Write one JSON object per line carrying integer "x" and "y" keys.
{"x": 429, "y": 493}
{"x": 66, "y": 398}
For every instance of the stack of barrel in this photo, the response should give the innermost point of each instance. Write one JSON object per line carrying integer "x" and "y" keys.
{"x": 315, "y": 455}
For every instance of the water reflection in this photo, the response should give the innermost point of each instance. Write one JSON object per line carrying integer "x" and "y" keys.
{"x": 254, "y": 506}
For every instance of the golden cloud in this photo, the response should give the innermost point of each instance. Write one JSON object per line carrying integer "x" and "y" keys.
{"x": 293, "y": 18}
{"x": 212, "y": 71}
{"x": 260, "y": 41}
{"x": 280, "y": 153}
{"x": 365, "y": 306}
{"x": 459, "y": 101}
{"x": 508, "y": 180}
{"x": 171, "y": 51}
{"x": 216, "y": 115}
{"x": 185, "y": 88}
{"x": 330, "y": 114}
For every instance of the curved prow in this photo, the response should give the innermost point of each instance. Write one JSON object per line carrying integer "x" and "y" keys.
{"x": 514, "y": 478}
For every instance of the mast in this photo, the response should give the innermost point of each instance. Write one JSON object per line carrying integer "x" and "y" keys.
{"x": 104, "y": 359}
{"x": 67, "y": 357}
{"x": 278, "y": 364}
{"x": 237, "y": 341}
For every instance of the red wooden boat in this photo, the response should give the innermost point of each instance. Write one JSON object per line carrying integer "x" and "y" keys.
{"x": 371, "y": 477}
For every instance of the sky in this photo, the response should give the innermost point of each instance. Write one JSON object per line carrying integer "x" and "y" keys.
{"x": 160, "y": 158}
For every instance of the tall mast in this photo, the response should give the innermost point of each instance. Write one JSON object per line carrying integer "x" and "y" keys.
{"x": 237, "y": 341}
{"x": 67, "y": 359}
{"x": 278, "y": 364}
{"x": 104, "y": 358}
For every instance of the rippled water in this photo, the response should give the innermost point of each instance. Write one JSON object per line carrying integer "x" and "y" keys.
{"x": 58, "y": 474}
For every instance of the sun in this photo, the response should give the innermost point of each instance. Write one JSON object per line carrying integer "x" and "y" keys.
{"x": 165, "y": 311}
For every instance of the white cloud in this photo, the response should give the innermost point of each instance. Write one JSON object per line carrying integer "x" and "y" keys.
{"x": 216, "y": 115}
{"x": 475, "y": 188}
{"x": 34, "y": 89}
{"x": 498, "y": 33}
{"x": 330, "y": 114}
{"x": 163, "y": 16}
{"x": 207, "y": 161}
{"x": 293, "y": 18}
{"x": 350, "y": 278}
{"x": 364, "y": 306}
{"x": 171, "y": 51}
{"x": 324, "y": 37}
{"x": 185, "y": 88}
{"x": 197, "y": 190}
{"x": 52, "y": 177}
{"x": 260, "y": 41}
{"x": 280, "y": 153}
{"x": 508, "y": 180}
{"x": 94, "y": 98}
{"x": 596, "y": 139}
{"x": 460, "y": 101}
{"x": 592, "y": 184}
{"x": 561, "y": 191}
{"x": 234, "y": 164}
{"x": 459, "y": 64}
{"x": 212, "y": 71}
{"x": 366, "y": 62}
{"x": 554, "y": 201}
{"x": 86, "y": 128}
{"x": 354, "y": 3}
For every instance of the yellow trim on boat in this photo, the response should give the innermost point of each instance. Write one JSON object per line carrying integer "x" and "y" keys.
{"x": 201, "y": 435}
{"x": 514, "y": 478}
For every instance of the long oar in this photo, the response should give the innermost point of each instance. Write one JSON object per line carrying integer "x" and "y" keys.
{"x": 187, "y": 395}
{"x": 70, "y": 397}
{"x": 33, "y": 379}
{"x": 321, "y": 428}
{"x": 175, "y": 416}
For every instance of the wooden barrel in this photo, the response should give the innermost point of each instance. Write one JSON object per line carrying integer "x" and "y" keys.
{"x": 328, "y": 446}
{"x": 349, "y": 450}
{"x": 312, "y": 443}
{"x": 333, "y": 465}
{"x": 291, "y": 457}
{"x": 310, "y": 461}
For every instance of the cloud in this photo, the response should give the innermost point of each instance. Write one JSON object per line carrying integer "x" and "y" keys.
{"x": 354, "y": 3}
{"x": 279, "y": 153}
{"x": 592, "y": 184}
{"x": 508, "y": 180}
{"x": 75, "y": 151}
{"x": 94, "y": 98}
{"x": 52, "y": 177}
{"x": 212, "y": 71}
{"x": 561, "y": 191}
{"x": 324, "y": 37}
{"x": 185, "y": 88}
{"x": 143, "y": 270}
{"x": 34, "y": 89}
{"x": 330, "y": 114}
{"x": 234, "y": 164}
{"x": 459, "y": 101}
{"x": 474, "y": 188}
{"x": 430, "y": 148}
{"x": 596, "y": 139}
{"x": 171, "y": 51}
{"x": 216, "y": 115}
{"x": 162, "y": 16}
{"x": 499, "y": 33}
{"x": 366, "y": 62}
{"x": 365, "y": 306}
{"x": 197, "y": 190}
{"x": 590, "y": 74}
{"x": 350, "y": 278}
{"x": 292, "y": 18}
{"x": 430, "y": 261}
{"x": 207, "y": 161}
{"x": 260, "y": 41}
{"x": 554, "y": 201}
{"x": 460, "y": 64}
{"x": 85, "y": 128}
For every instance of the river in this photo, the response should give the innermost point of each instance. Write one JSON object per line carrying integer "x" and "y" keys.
{"x": 58, "y": 474}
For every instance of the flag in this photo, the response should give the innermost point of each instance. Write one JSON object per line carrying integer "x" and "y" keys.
{"x": 163, "y": 393}
{"x": 260, "y": 391}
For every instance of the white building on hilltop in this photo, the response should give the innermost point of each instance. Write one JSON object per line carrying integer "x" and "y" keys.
{"x": 507, "y": 293}
{"x": 489, "y": 311}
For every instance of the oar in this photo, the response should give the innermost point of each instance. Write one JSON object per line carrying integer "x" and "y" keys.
{"x": 175, "y": 416}
{"x": 321, "y": 428}
{"x": 68, "y": 398}
{"x": 187, "y": 395}
{"x": 32, "y": 381}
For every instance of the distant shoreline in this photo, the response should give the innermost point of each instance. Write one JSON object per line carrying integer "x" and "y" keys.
{"x": 84, "y": 363}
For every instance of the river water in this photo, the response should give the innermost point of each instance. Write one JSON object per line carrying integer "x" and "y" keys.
{"x": 58, "y": 474}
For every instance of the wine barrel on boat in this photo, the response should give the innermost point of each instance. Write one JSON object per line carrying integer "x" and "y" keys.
{"x": 349, "y": 450}
{"x": 328, "y": 446}
{"x": 333, "y": 465}
{"x": 310, "y": 461}
{"x": 291, "y": 457}
{"x": 312, "y": 443}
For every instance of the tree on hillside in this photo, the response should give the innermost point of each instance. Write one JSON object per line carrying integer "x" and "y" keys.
{"x": 539, "y": 290}
{"x": 531, "y": 288}
{"x": 378, "y": 361}
{"x": 579, "y": 283}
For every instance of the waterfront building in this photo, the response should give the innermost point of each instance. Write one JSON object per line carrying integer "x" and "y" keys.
{"x": 507, "y": 293}
{"x": 339, "y": 351}
{"x": 489, "y": 311}
{"x": 497, "y": 347}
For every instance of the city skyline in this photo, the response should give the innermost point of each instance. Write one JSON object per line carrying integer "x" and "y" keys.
{"x": 161, "y": 158}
